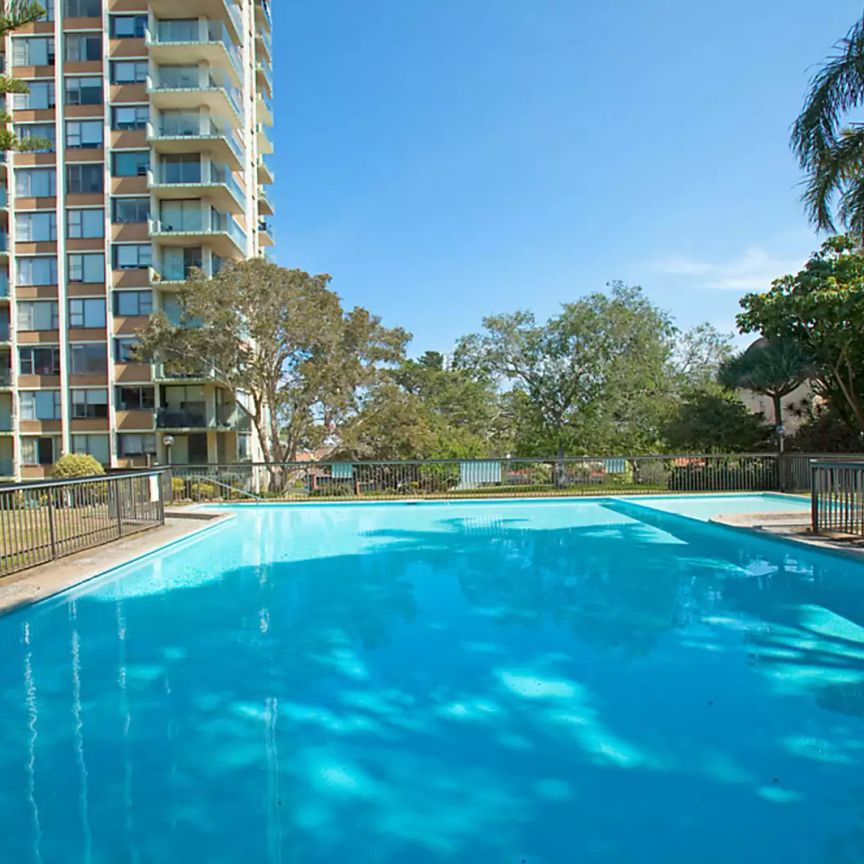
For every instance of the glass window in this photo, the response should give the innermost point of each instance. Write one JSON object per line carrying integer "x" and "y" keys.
{"x": 135, "y": 444}
{"x": 84, "y": 134}
{"x": 87, "y": 312}
{"x": 129, "y": 117}
{"x": 39, "y": 360}
{"x": 33, "y": 51}
{"x": 82, "y": 8}
{"x": 131, "y": 210}
{"x": 41, "y": 95}
{"x": 131, "y": 256}
{"x": 37, "y": 271}
{"x": 181, "y": 168}
{"x": 181, "y": 216}
{"x": 40, "y": 404}
{"x": 38, "y": 227}
{"x": 130, "y": 163}
{"x": 35, "y": 182}
{"x": 39, "y": 451}
{"x": 89, "y": 404}
{"x": 187, "y": 77}
{"x": 88, "y": 267}
{"x": 128, "y": 26}
{"x": 124, "y": 350}
{"x": 83, "y": 47}
{"x": 83, "y": 90}
{"x": 133, "y": 304}
{"x": 38, "y": 315}
{"x": 44, "y": 132}
{"x": 88, "y": 358}
{"x": 96, "y": 446}
{"x": 85, "y": 179}
{"x": 129, "y": 71}
{"x": 135, "y": 398}
{"x": 83, "y": 223}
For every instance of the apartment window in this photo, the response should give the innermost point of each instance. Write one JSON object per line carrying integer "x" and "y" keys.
{"x": 43, "y": 132}
{"x": 82, "y": 8}
{"x": 180, "y": 123}
{"x": 182, "y": 168}
{"x": 35, "y": 182}
{"x": 39, "y": 227}
{"x": 87, "y": 312}
{"x": 39, "y": 360}
{"x": 33, "y": 51}
{"x": 86, "y": 267}
{"x": 81, "y": 224}
{"x": 128, "y": 26}
{"x": 85, "y": 179}
{"x": 124, "y": 350}
{"x": 135, "y": 444}
{"x": 187, "y": 77}
{"x": 130, "y": 163}
{"x": 41, "y": 95}
{"x": 133, "y": 304}
{"x": 83, "y": 47}
{"x": 84, "y": 134}
{"x": 39, "y": 451}
{"x": 177, "y": 263}
{"x": 185, "y": 215}
{"x": 131, "y": 210}
{"x": 132, "y": 256}
{"x": 40, "y": 404}
{"x": 135, "y": 398}
{"x": 37, "y": 271}
{"x": 38, "y": 315}
{"x": 129, "y": 117}
{"x": 88, "y": 358}
{"x": 129, "y": 71}
{"x": 89, "y": 404}
{"x": 83, "y": 90}
{"x": 48, "y": 6}
{"x": 96, "y": 446}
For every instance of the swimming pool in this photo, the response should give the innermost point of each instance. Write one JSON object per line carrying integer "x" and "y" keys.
{"x": 591, "y": 681}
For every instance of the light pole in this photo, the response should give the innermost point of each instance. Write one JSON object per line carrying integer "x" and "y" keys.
{"x": 168, "y": 441}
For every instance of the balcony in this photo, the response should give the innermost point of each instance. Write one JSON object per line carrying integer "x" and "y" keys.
{"x": 7, "y": 468}
{"x": 223, "y": 10}
{"x": 264, "y": 42}
{"x": 4, "y": 197}
{"x": 193, "y": 88}
{"x": 264, "y": 144}
{"x": 265, "y": 172}
{"x": 265, "y": 208}
{"x": 263, "y": 110}
{"x": 221, "y": 231}
{"x": 6, "y": 376}
{"x": 263, "y": 15}
{"x": 264, "y": 76}
{"x": 193, "y": 180}
{"x": 4, "y": 243}
{"x": 182, "y": 42}
{"x": 164, "y": 372}
{"x": 197, "y": 134}
{"x": 191, "y": 417}
{"x": 265, "y": 233}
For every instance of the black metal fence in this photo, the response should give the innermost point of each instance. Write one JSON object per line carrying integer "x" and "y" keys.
{"x": 838, "y": 497}
{"x": 45, "y": 520}
{"x": 454, "y": 478}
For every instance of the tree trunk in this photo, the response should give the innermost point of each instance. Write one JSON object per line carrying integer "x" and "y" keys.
{"x": 559, "y": 467}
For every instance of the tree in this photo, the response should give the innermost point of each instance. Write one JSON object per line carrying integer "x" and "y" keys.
{"x": 280, "y": 341}
{"x": 773, "y": 368}
{"x": 16, "y": 14}
{"x": 715, "y": 420}
{"x": 597, "y": 376}
{"x": 821, "y": 310}
{"x": 699, "y": 354}
{"x": 830, "y": 153}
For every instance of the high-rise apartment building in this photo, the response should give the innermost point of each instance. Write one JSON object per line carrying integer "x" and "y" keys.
{"x": 157, "y": 113}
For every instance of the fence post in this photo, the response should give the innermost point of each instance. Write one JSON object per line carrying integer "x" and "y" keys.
{"x": 814, "y": 497}
{"x": 52, "y": 529}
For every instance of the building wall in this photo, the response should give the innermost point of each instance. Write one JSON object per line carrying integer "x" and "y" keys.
{"x": 159, "y": 110}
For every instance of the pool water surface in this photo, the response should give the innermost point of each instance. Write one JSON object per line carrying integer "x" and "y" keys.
{"x": 537, "y": 682}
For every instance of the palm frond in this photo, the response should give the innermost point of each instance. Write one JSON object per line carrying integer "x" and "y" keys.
{"x": 834, "y": 171}
{"x": 836, "y": 89}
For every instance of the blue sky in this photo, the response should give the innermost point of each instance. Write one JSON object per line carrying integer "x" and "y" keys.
{"x": 448, "y": 159}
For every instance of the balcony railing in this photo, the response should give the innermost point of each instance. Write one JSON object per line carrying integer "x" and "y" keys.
{"x": 5, "y": 377}
{"x": 185, "y": 418}
{"x": 201, "y": 127}
{"x": 195, "y": 80}
{"x": 197, "y": 223}
{"x": 197, "y": 174}
{"x": 4, "y": 241}
{"x": 200, "y": 32}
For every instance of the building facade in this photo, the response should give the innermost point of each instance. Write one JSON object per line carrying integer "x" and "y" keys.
{"x": 156, "y": 116}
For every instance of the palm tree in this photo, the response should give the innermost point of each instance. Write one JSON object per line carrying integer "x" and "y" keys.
{"x": 774, "y": 369}
{"x": 830, "y": 152}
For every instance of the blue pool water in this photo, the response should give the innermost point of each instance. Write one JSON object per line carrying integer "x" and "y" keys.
{"x": 537, "y": 682}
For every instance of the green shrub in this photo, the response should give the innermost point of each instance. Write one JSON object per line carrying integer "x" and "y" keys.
{"x": 74, "y": 465}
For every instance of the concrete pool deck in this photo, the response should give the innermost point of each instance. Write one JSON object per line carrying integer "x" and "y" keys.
{"x": 790, "y": 526}
{"x": 46, "y": 580}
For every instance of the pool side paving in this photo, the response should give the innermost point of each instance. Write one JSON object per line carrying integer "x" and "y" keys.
{"x": 47, "y": 580}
